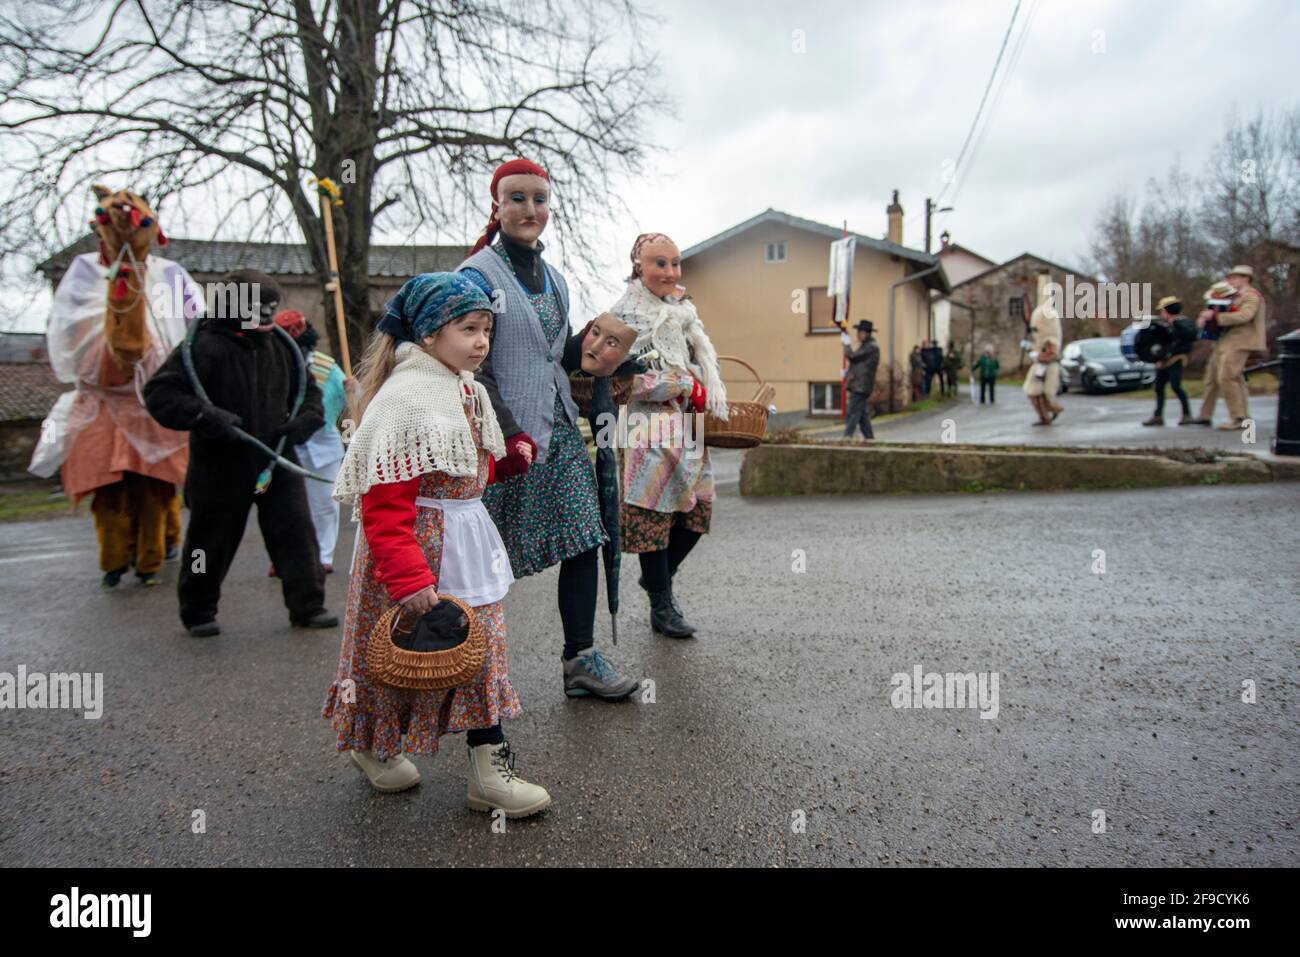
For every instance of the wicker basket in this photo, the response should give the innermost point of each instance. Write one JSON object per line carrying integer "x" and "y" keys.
{"x": 580, "y": 387}
{"x": 424, "y": 670}
{"x": 748, "y": 420}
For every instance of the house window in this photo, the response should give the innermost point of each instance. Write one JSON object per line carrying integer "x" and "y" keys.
{"x": 775, "y": 253}
{"x": 823, "y": 398}
{"x": 821, "y": 312}
{"x": 1016, "y": 307}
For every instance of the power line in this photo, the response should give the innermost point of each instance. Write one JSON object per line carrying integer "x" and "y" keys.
{"x": 1003, "y": 83}
{"x": 983, "y": 99}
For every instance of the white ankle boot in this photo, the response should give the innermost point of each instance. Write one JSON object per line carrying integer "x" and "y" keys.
{"x": 493, "y": 783}
{"x": 395, "y": 774}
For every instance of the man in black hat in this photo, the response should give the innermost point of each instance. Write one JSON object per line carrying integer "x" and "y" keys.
{"x": 250, "y": 375}
{"x": 860, "y": 379}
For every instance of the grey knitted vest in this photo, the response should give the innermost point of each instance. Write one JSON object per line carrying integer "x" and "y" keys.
{"x": 527, "y": 367}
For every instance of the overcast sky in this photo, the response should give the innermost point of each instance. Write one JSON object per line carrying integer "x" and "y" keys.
{"x": 886, "y": 92}
{"x": 1102, "y": 96}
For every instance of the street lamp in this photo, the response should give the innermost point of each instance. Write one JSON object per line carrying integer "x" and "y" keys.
{"x": 930, "y": 210}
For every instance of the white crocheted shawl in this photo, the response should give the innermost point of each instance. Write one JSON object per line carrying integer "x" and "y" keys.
{"x": 673, "y": 330}
{"x": 417, "y": 423}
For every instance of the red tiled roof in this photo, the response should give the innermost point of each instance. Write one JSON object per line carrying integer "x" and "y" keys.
{"x": 27, "y": 390}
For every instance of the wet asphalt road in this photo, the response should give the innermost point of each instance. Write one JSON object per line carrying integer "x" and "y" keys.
{"x": 1118, "y": 692}
{"x": 1092, "y": 420}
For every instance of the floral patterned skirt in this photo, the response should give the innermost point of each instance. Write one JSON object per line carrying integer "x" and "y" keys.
{"x": 551, "y": 512}
{"x": 644, "y": 530}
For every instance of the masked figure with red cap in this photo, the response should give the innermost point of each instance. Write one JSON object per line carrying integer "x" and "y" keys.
{"x": 546, "y": 508}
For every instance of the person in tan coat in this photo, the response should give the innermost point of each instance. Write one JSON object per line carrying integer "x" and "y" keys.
{"x": 1044, "y": 379}
{"x": 1241, "y": 333}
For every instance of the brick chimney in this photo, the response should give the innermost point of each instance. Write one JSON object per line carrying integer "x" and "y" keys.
{"x": 895, "y": 213}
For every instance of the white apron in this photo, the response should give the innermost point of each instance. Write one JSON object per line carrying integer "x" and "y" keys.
{"x": 475, "y": 566}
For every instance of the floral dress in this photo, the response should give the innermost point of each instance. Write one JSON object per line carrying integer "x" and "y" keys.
{"x": 369, "y": 716}
{"x": 550, "y": 512}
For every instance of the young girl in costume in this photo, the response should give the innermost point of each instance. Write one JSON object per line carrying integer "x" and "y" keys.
{"x": 667, "y": 489}
{"x": 415, "y": 470}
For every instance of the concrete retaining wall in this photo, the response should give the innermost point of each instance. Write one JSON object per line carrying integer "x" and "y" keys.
{"x": 839, "y": 470}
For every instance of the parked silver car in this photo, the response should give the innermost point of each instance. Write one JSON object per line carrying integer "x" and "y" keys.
{"x": 1097, "y": 365}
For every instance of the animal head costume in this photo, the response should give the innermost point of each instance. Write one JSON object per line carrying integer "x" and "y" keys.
{"x": 669, "y": 332}
{"x": 126, "y": 227}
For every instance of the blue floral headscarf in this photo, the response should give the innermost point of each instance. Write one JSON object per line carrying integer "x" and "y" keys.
{"x": 428, "y": 302}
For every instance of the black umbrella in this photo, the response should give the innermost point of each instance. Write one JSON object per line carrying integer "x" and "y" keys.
{"x": 607, "y": 480}
{"x": 607, "y": 489}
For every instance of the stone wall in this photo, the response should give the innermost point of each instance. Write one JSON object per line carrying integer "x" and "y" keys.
{"x": 994, "y": 321}
{"x": 17, "y": 442}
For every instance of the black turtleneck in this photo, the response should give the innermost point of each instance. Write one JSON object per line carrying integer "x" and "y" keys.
{"x": 526, "y": 262}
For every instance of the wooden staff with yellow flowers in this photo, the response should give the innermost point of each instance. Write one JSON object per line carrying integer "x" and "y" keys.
{"x": 330, "y": 196}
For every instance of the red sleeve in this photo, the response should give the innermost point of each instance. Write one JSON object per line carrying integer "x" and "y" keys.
{"x": 388, "y": 519}
{"x": 492, "y": 470}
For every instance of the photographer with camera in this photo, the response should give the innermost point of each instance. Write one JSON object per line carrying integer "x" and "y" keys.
{"x": 1169, "y": 370}
{"x": 1240, "y": 331}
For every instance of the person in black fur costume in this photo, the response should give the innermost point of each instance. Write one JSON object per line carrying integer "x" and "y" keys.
{"x": 251, "y": 375}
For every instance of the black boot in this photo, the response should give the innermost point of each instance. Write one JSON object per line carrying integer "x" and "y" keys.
{"x": 664, "y": 616}
{"x": 672, "y": 600}
{"x": 111, "y": 579}
{"x": 318, "y": 619}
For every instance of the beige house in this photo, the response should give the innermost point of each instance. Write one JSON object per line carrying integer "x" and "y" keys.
{"x": 760, "y": 288}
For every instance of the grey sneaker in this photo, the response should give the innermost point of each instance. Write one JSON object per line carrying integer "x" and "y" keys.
{"x": 590, "y": 673}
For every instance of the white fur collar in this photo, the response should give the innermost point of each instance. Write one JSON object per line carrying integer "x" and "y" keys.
{"x": 673, "y": 330}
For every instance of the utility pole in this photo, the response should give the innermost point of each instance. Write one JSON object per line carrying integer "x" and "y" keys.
{"x": 930, "y": 210}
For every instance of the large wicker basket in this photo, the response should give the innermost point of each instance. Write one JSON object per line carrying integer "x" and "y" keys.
{"x": 580, "y": 387}
{"x": 748, "y": 420}
{"x": 424, "y": 670}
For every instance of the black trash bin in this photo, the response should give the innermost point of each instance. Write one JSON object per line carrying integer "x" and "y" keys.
{"x": 1287, "y": 439}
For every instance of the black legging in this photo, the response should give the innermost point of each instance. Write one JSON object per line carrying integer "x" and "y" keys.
{"x": 476, "y": 736}
{"x": 1174, "y": 376}
{"x": 579, "y": 577}
{"x": 658, "y": 568}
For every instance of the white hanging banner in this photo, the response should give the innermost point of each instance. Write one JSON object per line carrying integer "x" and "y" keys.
{"x": 840, "y": 280}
